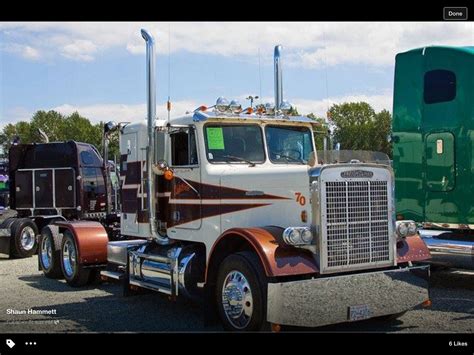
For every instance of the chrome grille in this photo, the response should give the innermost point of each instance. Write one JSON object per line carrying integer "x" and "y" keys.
{"x": 356, "y": 223}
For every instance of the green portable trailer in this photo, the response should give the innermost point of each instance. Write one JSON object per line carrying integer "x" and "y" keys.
{"x": 433, "y": 147}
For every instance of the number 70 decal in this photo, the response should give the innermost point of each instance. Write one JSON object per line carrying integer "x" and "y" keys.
{"x": 300, "y": 198}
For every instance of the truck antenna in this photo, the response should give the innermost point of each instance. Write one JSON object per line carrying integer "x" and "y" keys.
{"x": 259, "y": 74}
{"x": 168, "y": 104}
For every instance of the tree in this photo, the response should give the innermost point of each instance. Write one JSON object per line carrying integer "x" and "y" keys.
{"x": 321, "y": 132}
{"x": 358, "y": 127}
{"x": 293, "y": 111}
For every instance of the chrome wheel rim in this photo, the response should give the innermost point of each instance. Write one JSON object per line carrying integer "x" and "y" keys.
{"x": 237, "y": 299}
{"x": 27, "y": 238}
{"x": 46, "y": 252}
{"x": 69, "y": 257}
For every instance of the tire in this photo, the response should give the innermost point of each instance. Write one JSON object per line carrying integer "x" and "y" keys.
{"x": 49, "y": 252}
{"x": 74, "y": 273}
{"x": 242, "y": 278}
{"x": 24, "y": 238}
{"x": 7, "y": 223}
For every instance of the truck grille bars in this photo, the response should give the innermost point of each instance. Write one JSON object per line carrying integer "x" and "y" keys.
{"x": 355, "y": 225}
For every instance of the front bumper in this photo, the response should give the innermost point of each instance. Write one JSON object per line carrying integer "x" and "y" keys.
{"x": 323, "y": 301}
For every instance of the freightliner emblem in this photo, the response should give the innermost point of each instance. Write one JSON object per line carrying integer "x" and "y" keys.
{"x": 357, "y": 174}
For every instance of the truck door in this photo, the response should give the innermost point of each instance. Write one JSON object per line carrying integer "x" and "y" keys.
{"x": 185, "y": 199}
{"x": 440, "y": 161}
{"x": 130, "y": 174}
{"x": 445, "y": 123}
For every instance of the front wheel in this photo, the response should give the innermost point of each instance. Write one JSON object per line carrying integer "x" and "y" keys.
{"x": 241, "y": 291}
{"x": 74, "y": 273}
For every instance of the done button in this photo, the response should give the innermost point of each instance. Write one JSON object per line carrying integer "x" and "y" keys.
{"x": 455, "y": 13}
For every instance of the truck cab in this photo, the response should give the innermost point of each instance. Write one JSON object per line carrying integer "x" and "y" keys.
{"x": 433, "y": 134}
{"x": 50, "y": 182}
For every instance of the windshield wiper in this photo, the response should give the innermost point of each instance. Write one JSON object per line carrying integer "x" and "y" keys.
{"x": 299, "y": 160}
{"x": 251, "y": 163}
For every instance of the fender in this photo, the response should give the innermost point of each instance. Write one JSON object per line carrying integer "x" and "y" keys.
{"x": 277, "y": 260}
{"x": 412, "y": 249}
{"x": 91, "y": 240}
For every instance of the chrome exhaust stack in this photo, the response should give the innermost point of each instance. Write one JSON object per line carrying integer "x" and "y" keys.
{"x": 278, "y": 78}
{"x": 151, "y": 113}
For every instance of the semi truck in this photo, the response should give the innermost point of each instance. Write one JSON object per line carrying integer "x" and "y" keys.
{"x": 51, "y": 182}
{"x": 433, "y": 151}
{"x": 229, "y": 205}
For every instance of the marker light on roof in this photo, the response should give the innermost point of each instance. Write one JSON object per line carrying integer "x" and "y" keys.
{"x": 222, "y": 105}
{"x": 269, "y": 108}
{"x": 235, "y": 106}
{"x": 285, "y": 107}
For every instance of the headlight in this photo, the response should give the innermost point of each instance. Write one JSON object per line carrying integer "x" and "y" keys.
{"x": 406, "y": 228}
{"x": 412, "y": 229}
{"x": 402, "y": 230}
{"x": 297, "y": 235}
{"x": 294, "y": 236}
{"x": 306, "y": 235}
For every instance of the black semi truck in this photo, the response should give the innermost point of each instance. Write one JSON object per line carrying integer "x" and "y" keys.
{"x": 49, "y": 182}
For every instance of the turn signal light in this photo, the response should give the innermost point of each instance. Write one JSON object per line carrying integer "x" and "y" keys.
{"x": 276, "y": 327}
{"x": 304, "y": 216}
{"x": 426, "y": 303}
{"x": 168, "y": 175}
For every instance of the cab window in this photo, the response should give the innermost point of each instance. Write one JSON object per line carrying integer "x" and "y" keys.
{"x": 234, "y": 144}
{"x": 288, "y": 145}
{"x": 183, "y": 147}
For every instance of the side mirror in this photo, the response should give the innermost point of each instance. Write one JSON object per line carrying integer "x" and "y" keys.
{"x": 312, "y": 159}
{"x": 160, "y": 163}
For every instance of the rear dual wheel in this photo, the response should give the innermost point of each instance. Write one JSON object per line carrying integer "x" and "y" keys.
{"x": 49, "y": 254}
{"x": 74, "y": 273}
{"x": 23, "y": 242}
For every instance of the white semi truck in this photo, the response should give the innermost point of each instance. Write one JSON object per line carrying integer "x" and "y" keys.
{"x": 230, "y": 204}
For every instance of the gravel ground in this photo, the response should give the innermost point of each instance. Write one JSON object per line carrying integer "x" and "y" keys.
{"x": 102, "y": 308}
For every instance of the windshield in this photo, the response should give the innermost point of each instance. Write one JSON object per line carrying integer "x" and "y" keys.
{"x": 234, "y": 144}
{"x": 345, "y": 156}
{"x": 288, "y": 144}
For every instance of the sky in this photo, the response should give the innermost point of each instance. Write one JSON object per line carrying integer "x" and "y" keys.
{"x": 98, "y": 68}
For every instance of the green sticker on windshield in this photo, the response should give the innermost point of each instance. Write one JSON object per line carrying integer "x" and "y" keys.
{"x": 215, "y": 138}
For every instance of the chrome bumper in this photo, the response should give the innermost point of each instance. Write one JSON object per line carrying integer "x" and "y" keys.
{"x": 323, "y": 301}
{"x": 458, "y": 253}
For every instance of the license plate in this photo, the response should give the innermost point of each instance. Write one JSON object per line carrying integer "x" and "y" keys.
{"x": 359, "y": 312}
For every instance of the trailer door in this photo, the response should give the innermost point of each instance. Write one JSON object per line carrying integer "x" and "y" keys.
{"x": 440, "y": 162}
